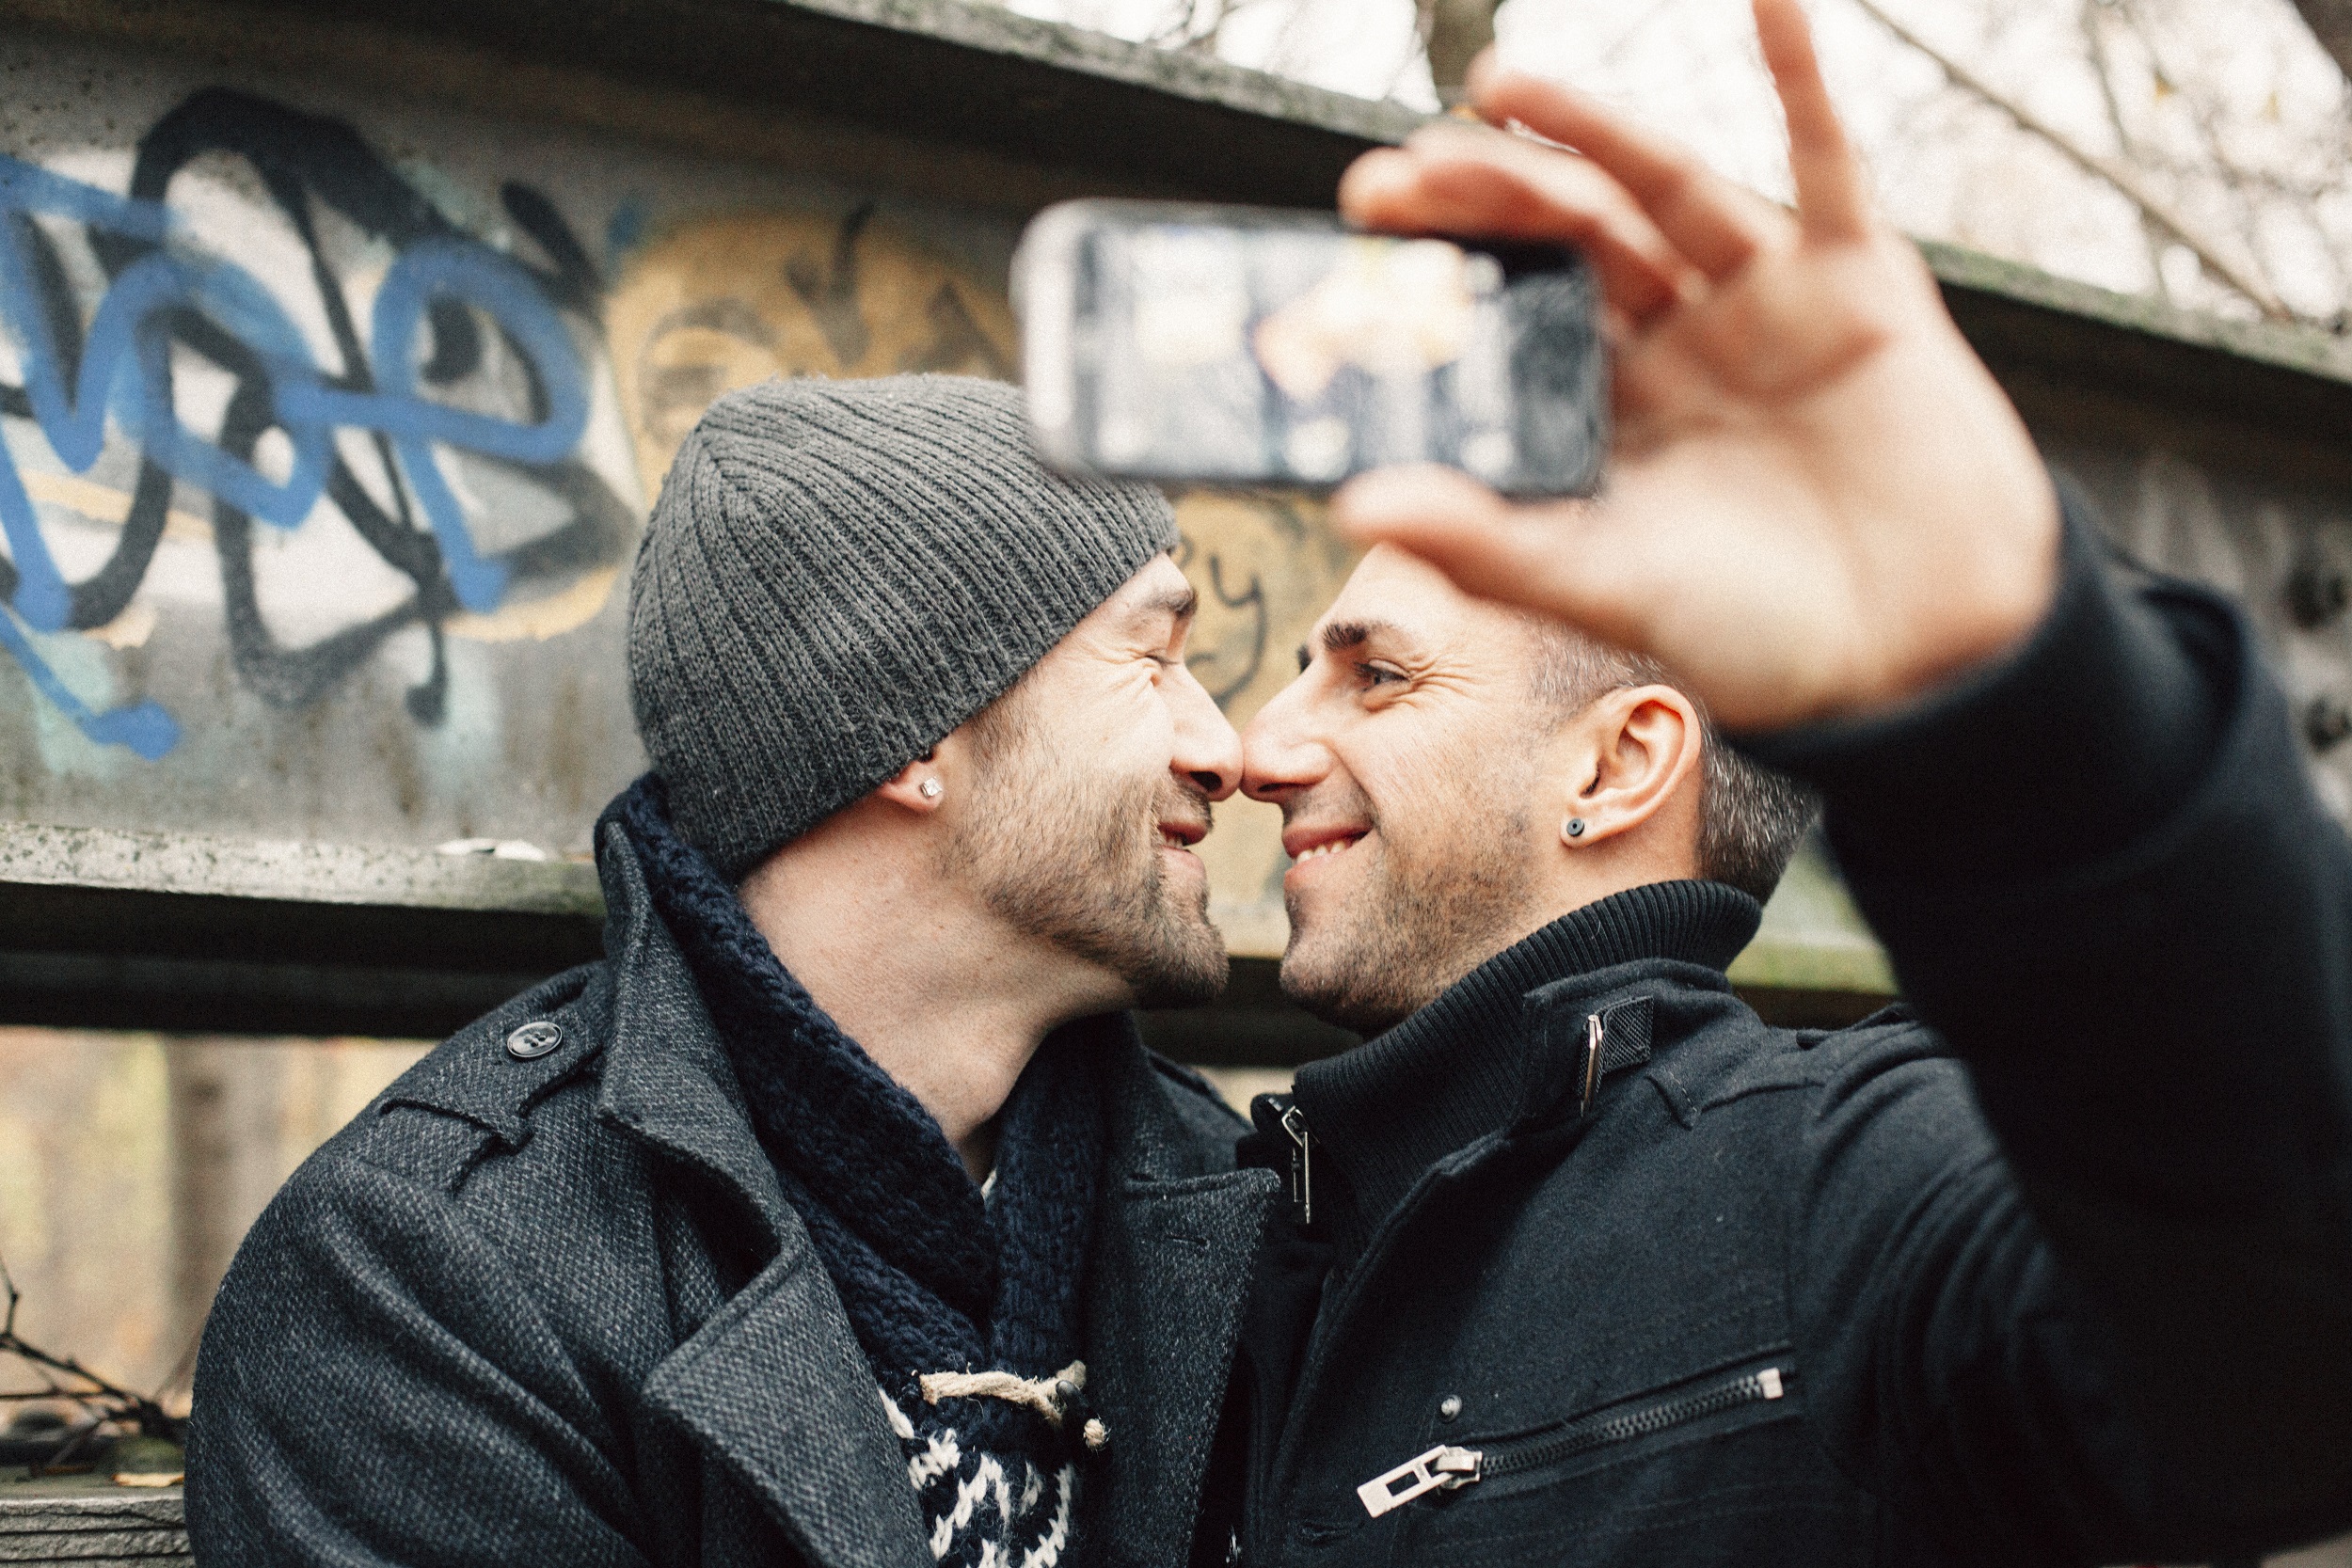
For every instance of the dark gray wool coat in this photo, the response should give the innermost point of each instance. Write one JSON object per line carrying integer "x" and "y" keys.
{"x": 556, "y": 1310}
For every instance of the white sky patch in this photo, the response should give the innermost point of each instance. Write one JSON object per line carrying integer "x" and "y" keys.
{"x": 2228, "y": 108}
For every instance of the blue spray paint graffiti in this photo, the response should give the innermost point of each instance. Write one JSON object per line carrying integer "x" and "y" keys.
{"x": 424, "y": 332}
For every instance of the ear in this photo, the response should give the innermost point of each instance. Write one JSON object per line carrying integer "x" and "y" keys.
{"x": 1634, "y": 751}
{"x": 920, "y": 786}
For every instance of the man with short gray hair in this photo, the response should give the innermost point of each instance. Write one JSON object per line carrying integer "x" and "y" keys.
{"x": 1586, "y": 1263}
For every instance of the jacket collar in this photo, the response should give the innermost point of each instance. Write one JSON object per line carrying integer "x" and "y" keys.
{"x": 666, "y": 1077}
{"x": 774, "y": 1386}
{"x": 1505, "y": 1040}
{"x": 1167, "y": 1280}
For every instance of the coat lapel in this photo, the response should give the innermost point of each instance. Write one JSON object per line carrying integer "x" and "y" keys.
{"x": 774, "y": 1386}
{"x": 1165, "y": 1286}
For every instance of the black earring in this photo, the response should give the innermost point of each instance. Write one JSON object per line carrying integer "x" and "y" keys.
{"x": 1574, "y": 827}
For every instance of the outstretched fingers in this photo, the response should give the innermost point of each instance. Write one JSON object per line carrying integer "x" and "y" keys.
{"x": 1710, "y": 219}
{"x": 1833, "y": 198}
{"x": 1481, "y": 183}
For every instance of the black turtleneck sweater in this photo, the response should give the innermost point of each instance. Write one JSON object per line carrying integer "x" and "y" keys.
{"x": 1386, "y": 1112}
{"x": 1454, "y": 1072}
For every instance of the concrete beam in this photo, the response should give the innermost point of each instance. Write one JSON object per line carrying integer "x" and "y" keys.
{"x": 188, "y": 932}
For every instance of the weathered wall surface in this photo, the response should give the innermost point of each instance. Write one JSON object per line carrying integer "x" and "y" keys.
{"x": 330, "y": 422}
{"x": 310, "y": 573}
{"x": 331, "y": 427}
{"x": 2275, "y": 534}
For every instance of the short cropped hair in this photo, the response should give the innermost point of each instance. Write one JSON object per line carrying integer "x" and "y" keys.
{"x": 1751, "y": 818}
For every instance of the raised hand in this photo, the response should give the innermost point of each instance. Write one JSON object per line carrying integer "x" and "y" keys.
{"x": 1819, "y": 503}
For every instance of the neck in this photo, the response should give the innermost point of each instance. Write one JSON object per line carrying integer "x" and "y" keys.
{"x": 944, "y": 996}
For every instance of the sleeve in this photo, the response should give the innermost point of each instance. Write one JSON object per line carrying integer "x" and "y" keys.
{"x": 374, "y": 1389}
{"x": 2104, "y": 878}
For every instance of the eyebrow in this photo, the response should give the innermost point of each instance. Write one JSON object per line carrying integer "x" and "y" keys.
{"x": 1338, "y": 636}
{"x": 1179, "y": 602}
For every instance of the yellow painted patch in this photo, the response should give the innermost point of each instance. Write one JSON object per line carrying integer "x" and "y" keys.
{"x": 726, "y": 302}
{"x": 103, "y": 503}
{"x": 537, "y": 620}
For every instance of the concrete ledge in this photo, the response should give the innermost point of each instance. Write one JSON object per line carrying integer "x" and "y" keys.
{"x": 175, "y": 931}
{"x": 89, "y": 1522}
{"x": 35, "y": 855}
{"x": 2305, "y": 350}
{"x": 186, "y": 932}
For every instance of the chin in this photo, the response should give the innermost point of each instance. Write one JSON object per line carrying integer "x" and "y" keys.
{"x": 1191, "y": 979}
{"x": 1182, "y": 963}
{"x": 1352, "y": 973}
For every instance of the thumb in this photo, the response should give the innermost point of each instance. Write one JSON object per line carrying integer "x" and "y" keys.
{"x": 1511, "y": 554}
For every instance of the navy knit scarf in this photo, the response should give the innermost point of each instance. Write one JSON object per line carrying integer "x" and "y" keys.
{"x": 934, "y": 1278}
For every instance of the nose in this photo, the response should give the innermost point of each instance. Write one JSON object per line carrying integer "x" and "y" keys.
{"x": 1208, "y": 750}
{"x": 1281, "y": 756}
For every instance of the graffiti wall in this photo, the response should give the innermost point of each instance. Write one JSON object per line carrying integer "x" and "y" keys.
{"x": 327, "y": 430}
{"x": 328, "y": 426}
{"x": 309, "y": 447}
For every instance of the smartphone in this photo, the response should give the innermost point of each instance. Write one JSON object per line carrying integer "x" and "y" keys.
{"x": 1264, "y": 346}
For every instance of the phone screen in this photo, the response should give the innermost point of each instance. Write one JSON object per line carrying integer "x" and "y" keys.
{"x": 1242, "y": 345}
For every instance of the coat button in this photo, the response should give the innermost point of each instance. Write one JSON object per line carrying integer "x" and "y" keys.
{"x": 533, "y": 1040}
{"x": 1448, "y": 1407}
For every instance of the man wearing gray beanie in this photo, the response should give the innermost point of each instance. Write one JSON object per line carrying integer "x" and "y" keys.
{"x": 838, "y": 1216}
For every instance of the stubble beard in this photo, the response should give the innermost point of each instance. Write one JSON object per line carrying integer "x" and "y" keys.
{"x": 1064, "y": 859}
{"x": 1422, "y": 917}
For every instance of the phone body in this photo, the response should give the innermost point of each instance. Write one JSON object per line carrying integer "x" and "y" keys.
{"x": 1255, "y": 346}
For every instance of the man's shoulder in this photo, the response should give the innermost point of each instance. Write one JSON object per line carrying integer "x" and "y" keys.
{"x": 1189, "y": 1090}
{"x": 1805, "y": 1065}
{"x": 524, "y": 1072}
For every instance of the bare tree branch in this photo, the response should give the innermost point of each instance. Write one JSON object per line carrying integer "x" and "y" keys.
{"x": 2118, "y": 175}
{"x": 1454, "y": 31}
{"x": 2102, "y": 66}
{"x": 102, "y": 1398}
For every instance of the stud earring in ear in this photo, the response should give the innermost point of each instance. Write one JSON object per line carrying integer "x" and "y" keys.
{"x": 1573, "y": 828}
{"x": 930, "y": 789}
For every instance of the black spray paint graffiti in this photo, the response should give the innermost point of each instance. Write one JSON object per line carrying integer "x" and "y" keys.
{"x": 426, "y": 336}
{"x": 1230, "y": 640}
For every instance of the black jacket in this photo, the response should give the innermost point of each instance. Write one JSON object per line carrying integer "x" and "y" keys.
{"x": 2065, "y": 1278}
{"x": 553, "y": 1310}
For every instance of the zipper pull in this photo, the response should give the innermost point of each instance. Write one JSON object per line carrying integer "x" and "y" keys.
{"x": 1442, "y": 1469}
{"x": 1302, "y": 1161}
{"x": 1595, "y": 1037}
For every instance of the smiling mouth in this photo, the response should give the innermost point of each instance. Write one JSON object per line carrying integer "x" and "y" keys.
{"x": 1328, "y": 848}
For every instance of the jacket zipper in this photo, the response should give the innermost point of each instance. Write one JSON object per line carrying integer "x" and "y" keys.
{"x": 1449, "y": 1468}
{"x": 1266, "y": 1439}
{"x": 1302, "y": 1171}
{"x": 1335, "y": 1312}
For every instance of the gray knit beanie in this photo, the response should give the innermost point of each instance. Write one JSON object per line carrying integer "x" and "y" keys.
{"x": 836, "y": 573}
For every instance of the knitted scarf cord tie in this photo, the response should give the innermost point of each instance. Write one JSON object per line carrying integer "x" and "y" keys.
{"x": 1058, "y": 1398}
